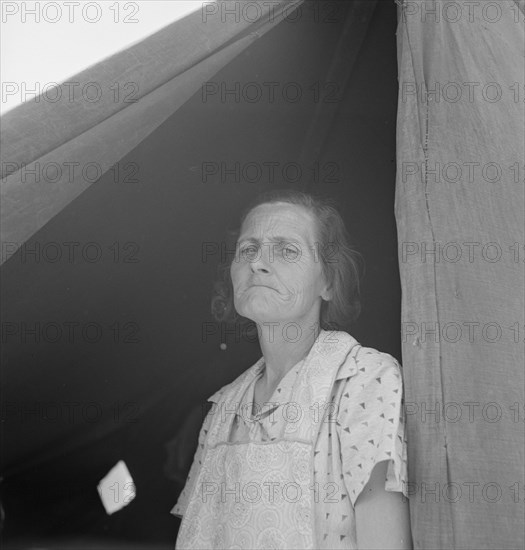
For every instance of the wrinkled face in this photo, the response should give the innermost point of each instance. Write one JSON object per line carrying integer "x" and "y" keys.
{"x": 277, "y": 274}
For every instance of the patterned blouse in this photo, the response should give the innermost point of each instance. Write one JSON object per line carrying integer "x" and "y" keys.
{"x": 364, "y": 425}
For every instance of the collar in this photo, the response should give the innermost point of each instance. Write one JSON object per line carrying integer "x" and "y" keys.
{"x": 336, "y": 348}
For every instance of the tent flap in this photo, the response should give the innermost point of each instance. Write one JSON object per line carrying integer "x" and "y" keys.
{"x": 460, "y": 215}
{"x": 53, "y": 151}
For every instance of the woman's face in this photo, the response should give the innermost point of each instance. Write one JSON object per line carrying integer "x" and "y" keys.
{"x": 277, "y": 274}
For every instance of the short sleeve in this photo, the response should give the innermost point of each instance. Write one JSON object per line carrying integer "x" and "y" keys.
{"x": 182, "y": 503}
{"x": 371, "y": 423}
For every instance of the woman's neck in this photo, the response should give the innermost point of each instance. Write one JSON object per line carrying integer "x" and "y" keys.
{"x": 282, "y": 349}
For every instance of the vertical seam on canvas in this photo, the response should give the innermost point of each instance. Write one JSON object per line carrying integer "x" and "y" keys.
{"x": 425, "y": 141}
{"x": 436, "y": 298}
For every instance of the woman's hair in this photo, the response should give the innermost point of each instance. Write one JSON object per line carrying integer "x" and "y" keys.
{"x": 341, "y": 263}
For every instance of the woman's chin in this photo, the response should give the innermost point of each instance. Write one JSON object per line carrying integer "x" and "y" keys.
{"x": 261, "y": 314}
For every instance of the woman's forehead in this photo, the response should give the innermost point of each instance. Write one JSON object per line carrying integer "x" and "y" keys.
{"x": 279, "y": 220}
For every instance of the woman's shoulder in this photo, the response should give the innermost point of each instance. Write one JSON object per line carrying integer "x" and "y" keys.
{"x": 373, "y": 391}
{"x": 368, "y": 364}
{"x": 371, "y": 358}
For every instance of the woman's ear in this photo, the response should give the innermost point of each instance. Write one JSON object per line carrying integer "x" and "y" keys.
{"x": 326, "y": 294}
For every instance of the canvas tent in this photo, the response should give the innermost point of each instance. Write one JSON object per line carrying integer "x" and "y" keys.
{"x": 108, "y": 341}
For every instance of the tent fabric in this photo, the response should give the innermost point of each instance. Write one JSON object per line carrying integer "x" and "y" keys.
{"x": 53, "y": 150}
{"x": 460, "y": 216}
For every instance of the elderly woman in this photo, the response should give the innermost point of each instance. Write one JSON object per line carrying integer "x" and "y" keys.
{"x": 306, "y": 448}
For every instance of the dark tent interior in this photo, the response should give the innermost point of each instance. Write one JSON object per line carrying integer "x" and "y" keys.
{"x": 79, "y": 401}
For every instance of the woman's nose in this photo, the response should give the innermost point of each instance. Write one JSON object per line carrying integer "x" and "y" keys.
{"x": 261, "y": 262}
{"x": 259, "y": 266}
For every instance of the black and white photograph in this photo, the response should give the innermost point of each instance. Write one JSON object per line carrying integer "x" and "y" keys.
{"x": 262, "y": 274}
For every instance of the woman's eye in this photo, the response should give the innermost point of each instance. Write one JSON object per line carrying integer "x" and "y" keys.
{"x": 249, "y": 252}
{"x": 291, "y": 252}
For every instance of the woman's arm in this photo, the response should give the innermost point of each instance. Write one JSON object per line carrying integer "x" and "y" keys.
{"x": 382, "y": 519}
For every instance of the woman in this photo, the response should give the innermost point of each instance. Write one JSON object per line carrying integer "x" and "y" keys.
{"x": 306, "y": 448}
